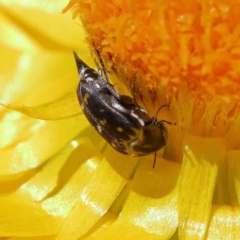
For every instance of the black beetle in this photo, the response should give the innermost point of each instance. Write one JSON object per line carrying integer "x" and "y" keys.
{"x": 125, "y": 125}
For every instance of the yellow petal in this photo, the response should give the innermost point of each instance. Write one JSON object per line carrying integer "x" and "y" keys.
{"x": 102, "y": 225}
{"x": 33, "y": 238}
{"x": 225, "y": 223}
{"x": 233, "y": 176}
{"x": 201, "y": 160}
{"x": 43, "y": 5}
{"x": 64, "y": 107}
{"x": 33, "y": 26}
{"x": 22, "y": 217}
{"x": 72, "y": 183}
{"x": 24, "y": 146}
{"x": 35, "y": 77}
{"x": 151, "y": 209}
{"x": 47, "y": 179}
{"x": 98, "y": 195}
{"x": 30, "y": 73}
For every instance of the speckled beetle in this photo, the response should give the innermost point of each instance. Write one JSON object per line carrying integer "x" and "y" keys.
{"x": 118, "y": 118}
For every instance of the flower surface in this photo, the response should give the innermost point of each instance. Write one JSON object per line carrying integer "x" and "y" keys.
{"x": 60, "y": 180}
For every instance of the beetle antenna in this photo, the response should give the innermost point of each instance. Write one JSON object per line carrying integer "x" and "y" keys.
{"x": 98, "y": 67}
{"x": 170, "y": 123}
{"x": 102, "y": 63}
{"x": 155, "y": 117}
{"x": 155, "y": 121}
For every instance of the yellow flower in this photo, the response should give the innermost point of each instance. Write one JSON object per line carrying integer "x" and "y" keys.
{"x": 185, "y": 54}
{"x": 59, "y": 179}
{"x": 38, "y": 67}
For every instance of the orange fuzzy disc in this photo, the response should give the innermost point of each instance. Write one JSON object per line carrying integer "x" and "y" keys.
{"x": 170, "y": 43}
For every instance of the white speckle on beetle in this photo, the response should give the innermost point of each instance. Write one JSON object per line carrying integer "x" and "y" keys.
{"x": 99, "y": 128}
{"x": 97, "y": 85}
{"x": 82, "y": 106}
{"x": 119, "y": 129}
{"x": 113, "y": 145}
{"x": 103, "y": 122}
{"x": 85, "y": 98}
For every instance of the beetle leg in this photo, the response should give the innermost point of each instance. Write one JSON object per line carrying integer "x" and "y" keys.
{"x": 98, "y": 67}
{"x": 122, "y": 98}
{"x": 154, "y": 160}
{"x": 103, "y": 67}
